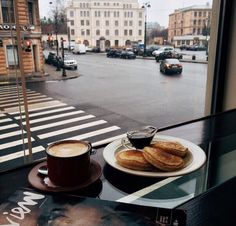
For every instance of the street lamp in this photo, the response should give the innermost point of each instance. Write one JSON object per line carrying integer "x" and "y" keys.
{"x": 145, "y": 6}
{"x": 56, "y": 31}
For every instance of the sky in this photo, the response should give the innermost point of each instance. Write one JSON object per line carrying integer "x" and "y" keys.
{"x": 158, "y": 12}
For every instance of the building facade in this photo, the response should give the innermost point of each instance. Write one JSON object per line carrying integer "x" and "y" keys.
{"x": 117, "y": 22}
{"x": 29, "y": 22}
{"x": 189, "y": 21}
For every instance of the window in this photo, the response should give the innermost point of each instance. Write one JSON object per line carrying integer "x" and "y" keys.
{"x": 10, "y": 55}
{"x": 87, "y": 32}
{"x": 140, "y": 23}
{"x": 107, "y": 32}
{"x": 87, "y": 22}
{"x": 8, "y": 11}
{"x": 72, "y": 32}
{"x": 195, "y": 14}
{"x": 125, "y": 32}
{"x": 199, "y": 22}
{"x": 130, "y": 23}
{"x": 140, "y": 15}
{"x": 87, "y": 13}
{"x": 71, "y": 13}
{"x": 199, "y": 14}
{"x": 107, "y": 22}
{"x": 194, "y": 22}
{"x": 139, "y": 32}
{"x": 204, "y": 13}
{"x": 72, "y": 23}
{"x": 125, "y": 23}
{"x": 97, "y": 32}
{"x": 97, "y": 23}
{"x": 116, "y": 32}
{"x": 116, "y": 23}
{"x": 31, "y": 12}
{"x": 82, "y": 32}
{"x": 81, "y": 13}
{"x": 82, "y": 22}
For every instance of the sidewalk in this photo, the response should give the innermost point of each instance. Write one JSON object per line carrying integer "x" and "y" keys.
{"x": 50, "y": 75}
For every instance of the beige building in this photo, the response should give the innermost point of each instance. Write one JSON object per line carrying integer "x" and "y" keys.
{"x": 29, "y": 21}
{"x": 189, "y": 21}
{"x": 117, "y": 22}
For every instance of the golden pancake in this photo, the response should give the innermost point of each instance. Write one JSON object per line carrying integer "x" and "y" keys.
{"x": 172, "y": 147}
{"x": 163, "y": 160}
{"x": 133, "y": 159}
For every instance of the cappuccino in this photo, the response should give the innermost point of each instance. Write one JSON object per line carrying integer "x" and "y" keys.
{"x": 68, "y": 149}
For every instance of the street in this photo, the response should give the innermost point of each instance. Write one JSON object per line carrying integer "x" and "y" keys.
{"x": 134, "y": 89}
{"x": 109, "y": 97}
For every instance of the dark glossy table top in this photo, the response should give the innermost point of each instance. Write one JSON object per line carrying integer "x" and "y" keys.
{"x": 215, "y": 135}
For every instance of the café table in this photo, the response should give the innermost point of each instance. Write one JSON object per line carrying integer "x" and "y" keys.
{"x": 204, "y": 193}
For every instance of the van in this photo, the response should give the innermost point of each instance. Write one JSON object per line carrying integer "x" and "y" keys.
{"x": 79, "y": 49}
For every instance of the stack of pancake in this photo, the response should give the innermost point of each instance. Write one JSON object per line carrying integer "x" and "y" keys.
{"x": 161, "y": 155}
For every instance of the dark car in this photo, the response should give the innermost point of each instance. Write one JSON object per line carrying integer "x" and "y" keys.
{"x": 150, "y": 49}
{"x": 114, "y": 53}
{"x": 168, "y": 55}
{"x": 127, "y": 54}
{"x": 51, "y": 58}
{"x": 96, "y": 50}
{"x": 171, "y": 66}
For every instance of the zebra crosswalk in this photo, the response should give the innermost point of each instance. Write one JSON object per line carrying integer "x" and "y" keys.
{"x": 50, "y": 120}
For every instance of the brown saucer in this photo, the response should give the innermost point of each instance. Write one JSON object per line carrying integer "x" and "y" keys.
{"x": 36, "y": 179}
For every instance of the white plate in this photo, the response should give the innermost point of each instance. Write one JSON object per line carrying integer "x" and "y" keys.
{"x": 196, "y": 158}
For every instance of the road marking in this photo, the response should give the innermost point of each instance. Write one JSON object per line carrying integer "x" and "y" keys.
{"x": 8, "y": 126}
{"x": 108, "y": 140}
{"x": 71, "y": 129}
{"x": 13, "y": 95}
{"x": 36, "y": 107}
{"x": 5, "y": 120}
{"x": 15, "y": 99}
{"x": 61, "y": 122}
{"x": 14, "y": 143}
{"x": 47, "y": 112}
{"x": 19, "y": 154}
{"x": 138, "y": 194}
{"x": 95, "y": 133}
{"x": 11, "y": 134}
{"x": 54, "y": 117}
{"x": 29, "y": 102}
{"x": 14, "y": 92}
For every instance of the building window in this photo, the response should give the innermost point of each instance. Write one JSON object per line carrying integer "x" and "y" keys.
{"x": 107, "y": 22}
{"x": 194, "y": 30}
{"x": 199, "y": 22}
{"x": 116, "y": 32}
{"x": 10, "y": 55}
{"x": 116, "y": 23}
{"x": 125, "y": 23}
{"x": 87, "y": 13}
{"x": 107, "y": 32}
{"x": 125, "y": 32}
{"x": 195, "y": 14}
{"x": 7, "y": 11}
{"x": 82, "y": 22}
{"x": 97, "y": 23}
{"x": 97, "y": 32}
{"x": 139, "y": 32}
{"x": 72, "y": 23}
{"x": 140, "y": 23}
{"x": 71, "y": 13}
{"x": 194, "y": 22}
{"x": 140, "y": 15}
{"x": 31, "y": 12}
{"x": 81, "y": 13}
{"x": 87, "y": 22}
{"x": 198, "y": 31}
{"x": 130, "y": 23}
{"x": 72, "y": 31}
{"x": 82, "y": 32}
{"x": 204, "y": 13}
{"x": 199, "y": 14}
{"x": 87, "y": 32}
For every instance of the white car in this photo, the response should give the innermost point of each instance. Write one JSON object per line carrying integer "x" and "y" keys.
{"x": 69, "y": 63}
{"x": 162, "y": 49}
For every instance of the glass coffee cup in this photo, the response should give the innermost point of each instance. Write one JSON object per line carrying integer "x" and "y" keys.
{"x": 139, "y": 138}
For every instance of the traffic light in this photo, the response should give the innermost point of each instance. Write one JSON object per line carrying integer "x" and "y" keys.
{"x": 27, "y": 45}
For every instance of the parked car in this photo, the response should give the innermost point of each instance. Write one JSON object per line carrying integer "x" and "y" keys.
{"x": 79, "y": 49}
{"x": 127, "y": 55}
{"x": 96, "y": 50}
{"x": 69, "y": 63}
{"x": 51, "y": 58}
{"x": 114, "y": 53}
{"x": 162, "y": 49}
{"x": 169, "y": 54}
{"x": 171, "y": 66}
{"x": 183, "y": 47}
{"x": 151, "y": 49}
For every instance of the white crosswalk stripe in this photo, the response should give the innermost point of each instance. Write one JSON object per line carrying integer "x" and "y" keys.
{"x": 50, "y": 120}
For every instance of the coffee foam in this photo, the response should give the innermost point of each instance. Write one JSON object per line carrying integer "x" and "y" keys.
{"x": 68, "y": 149}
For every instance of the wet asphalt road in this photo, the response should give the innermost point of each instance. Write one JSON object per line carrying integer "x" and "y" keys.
{"x": 132, "y": 93}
